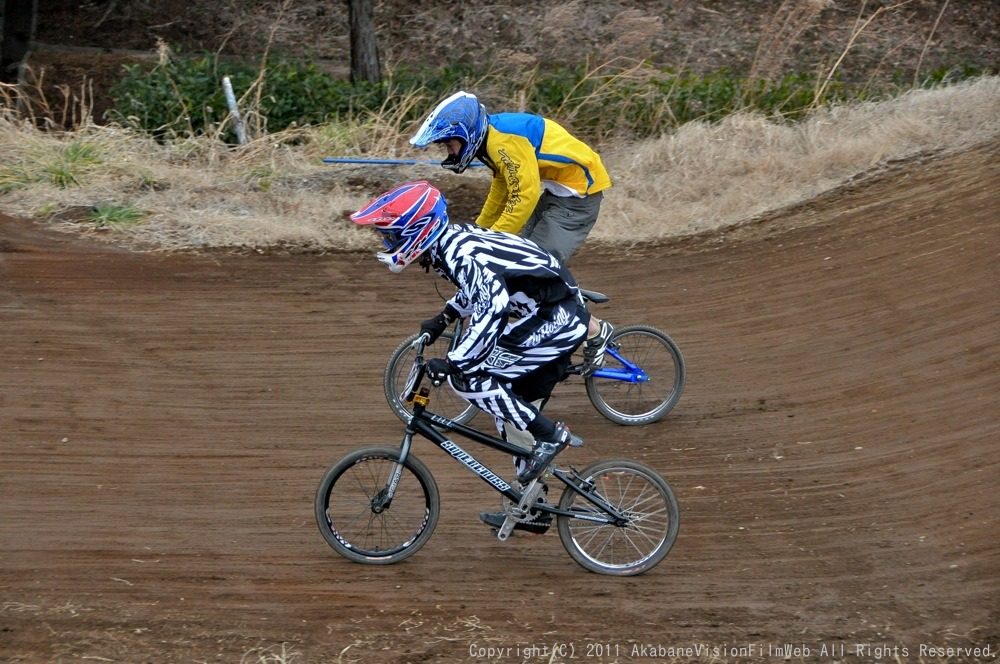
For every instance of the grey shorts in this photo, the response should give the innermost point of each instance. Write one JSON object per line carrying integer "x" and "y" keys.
{"x": 561, "y": 224}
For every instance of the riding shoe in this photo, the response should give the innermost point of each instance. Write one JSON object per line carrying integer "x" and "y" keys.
{"x": 544, "y": 452}
{"x": 594, "y": 348}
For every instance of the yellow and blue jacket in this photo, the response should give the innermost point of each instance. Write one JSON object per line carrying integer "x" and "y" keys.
{"x": 523, "y": 150}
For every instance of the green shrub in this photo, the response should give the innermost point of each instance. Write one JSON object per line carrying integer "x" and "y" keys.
{"x": 115, "y": 215}
{"x": 183, "y": 96}
{"x": 63, "y": 167}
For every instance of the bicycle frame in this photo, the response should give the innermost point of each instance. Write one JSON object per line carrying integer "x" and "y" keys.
{"x": 428, "y": 425}
{"x": 629, "y": 372}
{"x": 423, "y": 423}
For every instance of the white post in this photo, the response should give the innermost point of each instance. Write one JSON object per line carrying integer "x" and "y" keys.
{"x": 234, "y": 110}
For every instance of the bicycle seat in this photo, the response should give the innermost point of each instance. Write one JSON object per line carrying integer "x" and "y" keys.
{"x": 594, "y": 296}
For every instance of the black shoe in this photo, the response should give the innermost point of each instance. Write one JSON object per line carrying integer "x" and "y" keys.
{"x": 539, "y": 526}
{"x": 594, "y": 348}
{"x": 544, "y": 452}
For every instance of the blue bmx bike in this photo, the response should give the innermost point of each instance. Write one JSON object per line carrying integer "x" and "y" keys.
{"x": 641, "y": 381}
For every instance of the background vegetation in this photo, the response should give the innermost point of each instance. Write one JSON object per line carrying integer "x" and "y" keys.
{"x": 623, "y": 99}
{"x": 706, "y": 113}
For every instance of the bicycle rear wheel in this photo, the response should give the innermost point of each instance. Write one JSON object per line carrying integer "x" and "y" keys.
{"x": 359, "y": 524}
{"x": 446, "y": 402}
{"x": 642, "y": 401}
{"x": 639, "y": 493}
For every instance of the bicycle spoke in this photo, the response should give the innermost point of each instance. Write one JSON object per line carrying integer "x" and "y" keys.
{"x": 658, "y": 361}
{"x": 639, "y": 495}
{"x": 360, "y": 524}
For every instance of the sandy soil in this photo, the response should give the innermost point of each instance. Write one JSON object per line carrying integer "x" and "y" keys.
{"x": 164, "y": 421}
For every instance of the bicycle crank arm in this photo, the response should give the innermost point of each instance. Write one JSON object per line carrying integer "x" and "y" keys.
{"x": 506, "y": 529}
{"x": 530, "y": 495}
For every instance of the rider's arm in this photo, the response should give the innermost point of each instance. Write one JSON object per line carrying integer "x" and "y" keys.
{"x": 494, "y": 203}
{"x": 516, "y": 185}
{"x": 460, "y": 304}
{"x": 488, "y": 297}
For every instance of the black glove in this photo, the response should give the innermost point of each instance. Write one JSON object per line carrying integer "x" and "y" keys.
{"x": 434, "y": 327}
{"x": 440, "y": 368}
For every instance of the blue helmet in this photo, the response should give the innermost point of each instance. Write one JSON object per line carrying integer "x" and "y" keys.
{"x": 460, "y": 116}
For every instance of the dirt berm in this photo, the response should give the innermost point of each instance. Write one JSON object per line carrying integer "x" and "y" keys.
{"x": 165, "y": 419}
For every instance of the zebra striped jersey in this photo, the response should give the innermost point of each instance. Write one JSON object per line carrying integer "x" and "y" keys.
{"x": 516, "y": 295}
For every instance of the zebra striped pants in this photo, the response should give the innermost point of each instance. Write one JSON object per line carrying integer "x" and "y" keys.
{"x": 506, "y": 392}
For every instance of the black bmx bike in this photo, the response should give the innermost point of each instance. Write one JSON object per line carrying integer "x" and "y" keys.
{"x": 379, "y": 505}
{"x": 641, "y": 381}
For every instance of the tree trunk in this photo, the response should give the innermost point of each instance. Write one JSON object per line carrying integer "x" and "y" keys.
{"x": 18, "y": 18}
{"x": 364, "y": 47}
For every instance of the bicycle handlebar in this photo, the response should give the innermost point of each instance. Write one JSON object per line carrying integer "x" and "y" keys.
{"x": 418, "y": 370}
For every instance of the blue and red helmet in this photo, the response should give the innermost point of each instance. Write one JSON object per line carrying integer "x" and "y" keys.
{"x": 410, "y": 218}
{"x": 460, "y": 116}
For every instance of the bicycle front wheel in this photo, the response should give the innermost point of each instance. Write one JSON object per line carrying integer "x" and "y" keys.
{"x": 640, "y": 494}
{"x": 446, "y": 402}
{"x": 642, "y": 378}
{"x": 357, "y": 518}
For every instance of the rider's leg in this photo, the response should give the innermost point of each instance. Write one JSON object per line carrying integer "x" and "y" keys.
{"x": 560, "y": 224}
{"x": 497, "y": 398}
{"x": 518, "y": 436}
{"x": 514, "y": 397}
{"x": 542, "y": 521}
{"x": 596, "y": 345}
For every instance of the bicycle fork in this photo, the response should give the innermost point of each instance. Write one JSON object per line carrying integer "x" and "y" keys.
{"x": 383, "y": 499}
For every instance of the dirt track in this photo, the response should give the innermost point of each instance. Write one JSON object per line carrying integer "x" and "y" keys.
{"x": 164, "y": 421}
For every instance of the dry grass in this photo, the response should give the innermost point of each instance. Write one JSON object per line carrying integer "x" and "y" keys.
{"x": 196, "y": 193}
{"x": 707, "y": 176}
{"x": 276, "y": 191}
{"x": 781, "y": 34}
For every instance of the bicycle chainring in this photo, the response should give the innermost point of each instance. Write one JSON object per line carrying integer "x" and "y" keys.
{"x": 510, "y": 509}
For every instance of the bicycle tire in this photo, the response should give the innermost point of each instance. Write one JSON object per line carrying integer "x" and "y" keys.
{"x": 633, "y": 404}
{"x": 348, "y": 521}
{"x": 446, "y": 402}
{"x": 634, "y": 489}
